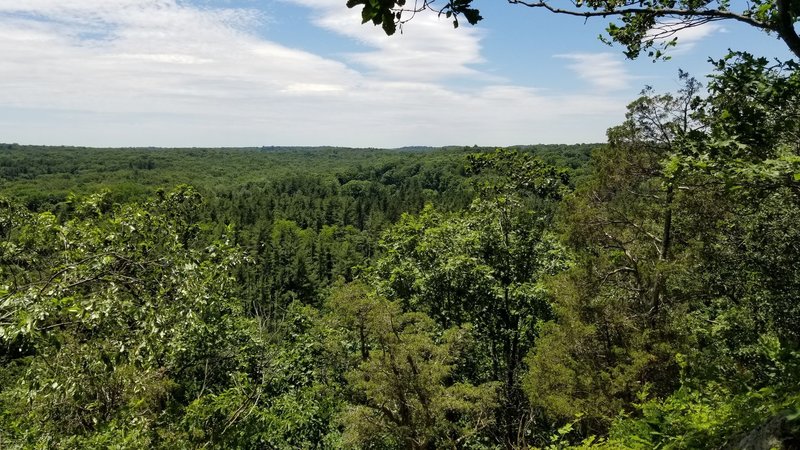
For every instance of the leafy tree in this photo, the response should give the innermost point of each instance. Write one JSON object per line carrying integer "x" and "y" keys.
{"x": 403, "y": 390}
{"x": 677, "y": 307}
{"x": 613, "y": 335}
{"x": 118, "y": 313}
{"x": 484, "y": 267}
{"x": 289, "y": 401}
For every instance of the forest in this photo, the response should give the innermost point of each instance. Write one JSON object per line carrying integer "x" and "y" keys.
{"x": 640, "y": 293}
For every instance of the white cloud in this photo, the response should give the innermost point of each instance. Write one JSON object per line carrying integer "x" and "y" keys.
{"x": 604, "y": 71}
{"x": 164, "y": 72}
{"x": 156, "y": 55}
{"x": 427, "y": 49}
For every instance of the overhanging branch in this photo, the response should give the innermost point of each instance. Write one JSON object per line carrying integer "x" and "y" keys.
{"x": 712, "y": 14}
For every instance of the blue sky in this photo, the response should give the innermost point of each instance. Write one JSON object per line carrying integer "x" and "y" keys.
{"x": 305, "y": 72}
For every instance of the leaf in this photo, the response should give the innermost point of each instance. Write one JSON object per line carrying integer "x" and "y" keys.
{"x": 368, "y": 13}
{"x": 566, "y": 429}
{"x": 473, "y": 16}
{"x": 389, "y": 25}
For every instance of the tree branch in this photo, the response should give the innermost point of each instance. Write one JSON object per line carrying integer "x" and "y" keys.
{"x": 712, "y": 14}
{"x": 786, "y": 28}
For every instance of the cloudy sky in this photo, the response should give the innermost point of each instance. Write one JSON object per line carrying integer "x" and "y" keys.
{"x": 305, "y": 72}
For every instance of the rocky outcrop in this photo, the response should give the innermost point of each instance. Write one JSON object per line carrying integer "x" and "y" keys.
{"x": 781, "y": 432}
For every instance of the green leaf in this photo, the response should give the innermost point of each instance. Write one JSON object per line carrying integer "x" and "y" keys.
{"x": 473, "y": 16}
{"x": 368, "y": 13}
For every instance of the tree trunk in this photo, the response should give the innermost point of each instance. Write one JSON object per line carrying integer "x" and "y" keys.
{"x": 666, "y": 242}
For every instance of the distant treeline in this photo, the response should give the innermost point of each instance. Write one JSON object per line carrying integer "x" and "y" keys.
{"x": 43, "y": 176}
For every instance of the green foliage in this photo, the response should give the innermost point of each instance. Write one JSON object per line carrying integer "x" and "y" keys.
{"x": 112, "y": 312}
{"x": 614, "y": 306}
{"x": 417, "y": 298}
{"x": 710, "y": 416}
{"x": 186, "y": 321}
{"x": 484, "y": 267}
{"x": 680, "y": 307}
{"x": 288, "y": 405}
{"x": 507, "y": 172}
{"x": 403, "y": 392}
{"x": 752, "y": 118}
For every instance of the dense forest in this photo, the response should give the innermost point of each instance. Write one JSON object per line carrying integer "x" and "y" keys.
{"x": 641, "y": 293}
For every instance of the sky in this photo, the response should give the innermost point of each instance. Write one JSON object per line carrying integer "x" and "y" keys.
{"x": 242, "y": 73}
